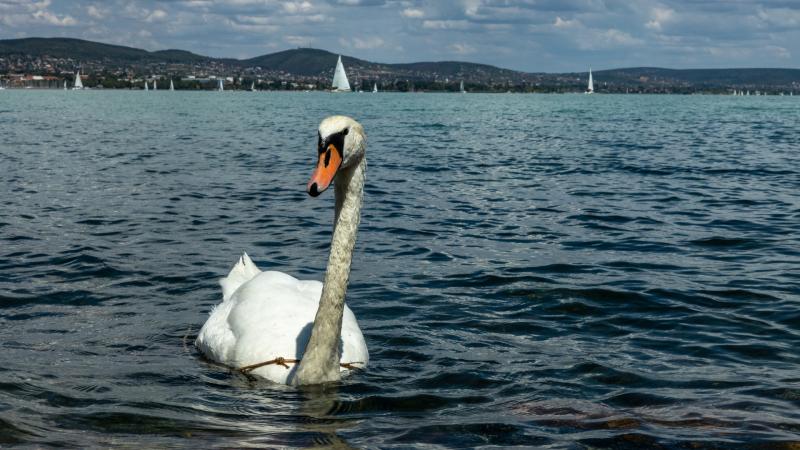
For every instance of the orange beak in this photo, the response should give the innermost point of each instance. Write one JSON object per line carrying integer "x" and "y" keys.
{"x": 328, "y": 164}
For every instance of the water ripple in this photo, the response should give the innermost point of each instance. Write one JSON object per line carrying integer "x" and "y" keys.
{"x": 564, "y": 271}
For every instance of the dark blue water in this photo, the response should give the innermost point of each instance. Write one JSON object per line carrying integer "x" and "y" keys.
{"x": 567, "y": 271}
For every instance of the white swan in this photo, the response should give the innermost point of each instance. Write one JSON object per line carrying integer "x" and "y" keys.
{"x": 292, "y": 331}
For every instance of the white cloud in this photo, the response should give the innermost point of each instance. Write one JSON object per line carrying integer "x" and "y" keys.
{"x": 297, "y": 7}
{"x": 561, "y": 23}
{"x": 462, "y": 49}
{"x": 157, "y": 15}
{"x": 366, "y": 43}
{"x": 659, "y": 17}
{"x": 413, "y": 13}
{"x": 445, "y": 24}
{"x": 96, "y": 13}
{"x": 781, "y": 17}
{"x": 616, "y": 38}
{"x": 46, "y": 16}
{"x": 254, "y": 20}
{"x": 299, "y": 41}
{"x": 778, "y": 52}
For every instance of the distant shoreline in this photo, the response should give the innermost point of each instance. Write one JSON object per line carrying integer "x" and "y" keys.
{"x": 58, "y": 59}
{"x": 300, "y": 91}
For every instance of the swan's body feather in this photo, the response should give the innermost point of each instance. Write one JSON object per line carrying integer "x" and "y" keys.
{"x": 266, "y": 315}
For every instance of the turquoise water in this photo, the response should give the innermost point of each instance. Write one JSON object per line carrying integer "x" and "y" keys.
{"x": 561, "y": 270}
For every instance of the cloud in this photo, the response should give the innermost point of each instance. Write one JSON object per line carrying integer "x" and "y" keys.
{"x": 778, "y": 52}
{"x": 445, "y": 24}
{"x": 297, "y": 7}
{"x": 157, "y": 15}
{"x": 52, "y": 19}
{"x": 562, "y": 24}
{"x": 780, "y": 17}
{"x": 659, "y": 17}
{"x": 365, "y": 43}
{"x": 358, "y": 2}
{"x": 96, "y": 12}
{"x": 462, "y": 49}
{"x": 413, "y": 13}
{"x": 616, "y": 37}
{"x": 299, "y": 41}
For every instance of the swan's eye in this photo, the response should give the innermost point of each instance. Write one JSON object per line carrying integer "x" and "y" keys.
{"x": 346, "y": 130}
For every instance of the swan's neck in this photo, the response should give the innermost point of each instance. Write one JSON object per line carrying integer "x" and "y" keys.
{"x": 320, "y": 362}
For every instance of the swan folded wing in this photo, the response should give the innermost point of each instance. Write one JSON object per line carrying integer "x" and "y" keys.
{"x": 354, "y": 348}
{"x": 243, "y": 271}
{"x": 272, "y": 318}
{"x": 215, "y": 339}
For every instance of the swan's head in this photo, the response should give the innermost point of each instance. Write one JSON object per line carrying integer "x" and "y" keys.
{"x": 340, "y": 145}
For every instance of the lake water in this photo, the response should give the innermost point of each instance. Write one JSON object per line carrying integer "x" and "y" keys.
{"x": 531, "y": 270}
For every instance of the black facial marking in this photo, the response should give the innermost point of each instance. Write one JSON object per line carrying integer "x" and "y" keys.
{"x": 328, "y": 157}
{"x": 337, "y": 139}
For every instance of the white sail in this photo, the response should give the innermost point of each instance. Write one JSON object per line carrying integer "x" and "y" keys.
{"x": 461, "y": 88}
{"x": 219, "y": 85}
{"x": 65, "y": 85}
{"x": 340, "y": 78}
{"x": 590, "y": 88}
{"x": 253, "y": 86}
{"x": 155, "y": 85}
{"x": 78, "y": 82}
{"x": 375, "y": 87}
{"x": 171, "y": 86}
{"x": 145, "y": 86}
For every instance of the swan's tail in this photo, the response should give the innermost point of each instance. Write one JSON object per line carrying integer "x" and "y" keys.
{"x": 243, "y": 271}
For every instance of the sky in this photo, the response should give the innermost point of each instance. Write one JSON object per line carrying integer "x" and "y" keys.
{"x": 527, "y": 35}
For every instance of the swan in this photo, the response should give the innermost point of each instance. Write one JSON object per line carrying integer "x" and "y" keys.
{"x": 291, "y": 331}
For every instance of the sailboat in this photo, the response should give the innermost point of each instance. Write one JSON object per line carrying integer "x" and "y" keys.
{"x": 374, "y": 88}
{"x": 155, "y": 85}
{"x": 171, "y": 86}
{"x": 219, "y": 85}
{"x": 340, "y": 83}
{"x": 65, "y": 85}
{"x": 461, "y": 88}
{"x": 145, "y": 86}
{"x": 78, "y": 83}
{"x": 253, "y": 86}
{"x": 590, "y": 87}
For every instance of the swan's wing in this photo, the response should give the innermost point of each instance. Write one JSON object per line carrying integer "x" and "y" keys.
{"x": 243, "y": 271}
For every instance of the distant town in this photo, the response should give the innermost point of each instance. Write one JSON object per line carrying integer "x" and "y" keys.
{"x": 53, "y": 63}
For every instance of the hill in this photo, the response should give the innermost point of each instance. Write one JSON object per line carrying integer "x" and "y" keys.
{"x": 79, "y": 49}
{"x": 60, "y": 55}
{"x": 304, "y": 61}
{"x": 701, "y": 77}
